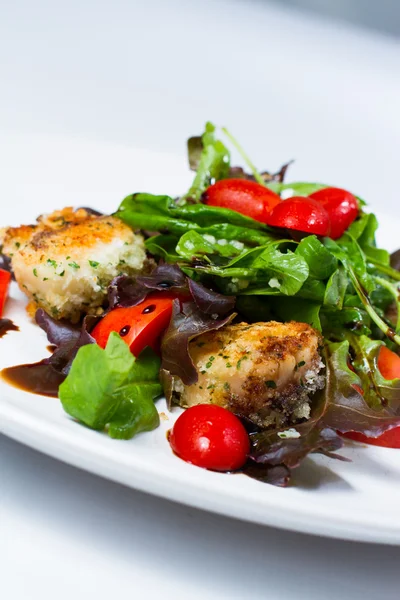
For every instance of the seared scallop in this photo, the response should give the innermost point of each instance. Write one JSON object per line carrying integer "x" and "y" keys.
{"x": 265, "y": 371}
{"x": 65, "y": 263}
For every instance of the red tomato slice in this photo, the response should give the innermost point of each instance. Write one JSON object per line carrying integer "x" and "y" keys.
{"x": 389, "y": 439}
{"x": 389, "y": 366}
{"x": 246, "y": 197}
{"x": 341, "y": 206}
{"x": 139, "y": 326}
{"x": 211, "y": 437}
{"x": 301, "y": 214}
{"x": 389, "y": 363}
{"x": 5, "y": 278}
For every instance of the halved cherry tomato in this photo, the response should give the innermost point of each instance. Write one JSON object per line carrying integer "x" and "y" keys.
{"x": 389, "y": 363}
{"x": 389, "y": 366}
{"x": 211, "y": 437}
{"x": 341, "y": 206}
{"x": 301, "y": 214}
{"x": 5, "y": 278}
{"x": 246, "y": 197}
{"x": 139, "y": 326}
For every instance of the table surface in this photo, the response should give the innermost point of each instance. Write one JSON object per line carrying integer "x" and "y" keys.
{"x": 148, "y": 75}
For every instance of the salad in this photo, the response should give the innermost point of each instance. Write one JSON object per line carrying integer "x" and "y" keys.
{"x": 263, "y": 308}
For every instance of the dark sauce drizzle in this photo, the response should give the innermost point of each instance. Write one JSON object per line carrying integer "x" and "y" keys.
{"x": 7, "y": 325}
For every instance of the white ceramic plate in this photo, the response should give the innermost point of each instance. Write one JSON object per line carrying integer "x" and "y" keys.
{"x": 357, "y": 500}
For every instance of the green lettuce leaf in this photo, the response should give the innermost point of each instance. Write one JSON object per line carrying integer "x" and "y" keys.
{"x": 111, "y": 383}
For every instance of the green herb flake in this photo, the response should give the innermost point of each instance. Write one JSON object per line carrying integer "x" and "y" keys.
{"x": 270, "y": 384}
{"x": 227, "y": 387}
{"x": 228, "y": 365}
{"x": 45, "y": 278}
{"x": 17, "y": 244}
{"x": 61, "y": 274}
{"x": 94, "y": 264}
{"x": 52, "y": 262}
{"x": 73, "y": 265}
{"x": 35, "y": 272}
{"x": 209, "y": 364}
{"x": 300, "y": 364}
{"x": 239, "y": 362}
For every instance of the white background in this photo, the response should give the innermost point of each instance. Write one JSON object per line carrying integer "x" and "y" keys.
{"x": 148, "y": 76}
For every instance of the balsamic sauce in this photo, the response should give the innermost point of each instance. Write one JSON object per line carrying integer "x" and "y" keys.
{"x": 36, "y": 378}
{"x": 7, "y": 325}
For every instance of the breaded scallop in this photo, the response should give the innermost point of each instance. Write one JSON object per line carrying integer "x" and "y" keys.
{"x": 264, "y": 371}
{"x": 65, "y": 263}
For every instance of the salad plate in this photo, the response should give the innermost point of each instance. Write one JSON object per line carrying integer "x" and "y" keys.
{"x": 356, "y": 500}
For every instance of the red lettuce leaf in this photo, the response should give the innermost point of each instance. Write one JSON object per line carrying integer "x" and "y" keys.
{"x": 187, "y": 322}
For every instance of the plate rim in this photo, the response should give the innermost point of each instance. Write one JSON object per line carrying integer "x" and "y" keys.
{"x": 55, "y": 441}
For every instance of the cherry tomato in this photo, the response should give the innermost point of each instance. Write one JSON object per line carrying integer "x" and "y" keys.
{"x": 139, "y": 326}
{"x": 389, "y": 366}
{"x": 211, "y": 437}
{"x": 301, "y": 214}
{"x": 5, "y": 278}
{"x": 341, "y": 206}
{"x": 246, "y": 197}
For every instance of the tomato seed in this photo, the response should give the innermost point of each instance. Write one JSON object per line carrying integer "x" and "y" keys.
{"x": 149, "y": 309}
{"x": 125, "y": 330}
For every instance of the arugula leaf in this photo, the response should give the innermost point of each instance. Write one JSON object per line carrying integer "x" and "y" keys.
{"x": 212, "y": 164}
{"x": 302, "y": 310}
{"x": 321, "y": 262}
{"x": 365, "y": 230}
{"x": 337, "y": 323}
{"x": 336, "y": 288}
{"x": 103, "y": 384}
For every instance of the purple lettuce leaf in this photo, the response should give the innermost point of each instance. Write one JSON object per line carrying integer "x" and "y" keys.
{"x": 187, "y": 322}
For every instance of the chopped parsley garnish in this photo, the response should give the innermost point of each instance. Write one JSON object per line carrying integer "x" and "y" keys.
{"x": 300, "y": 364}
{"x": 35, "y": 272}
{"x": 93, "y": 263}
{"x": 52, "y": 262}
{"x": 74, "y": 265}
{"x": 227, "y": 387}
{"x": 239, "y": 362}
